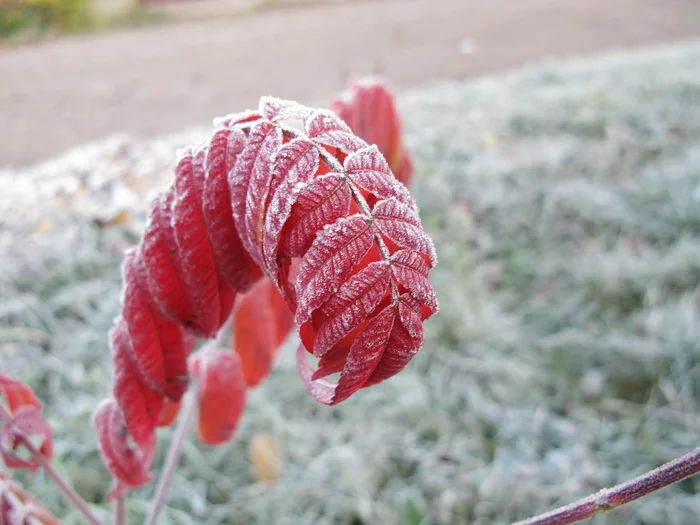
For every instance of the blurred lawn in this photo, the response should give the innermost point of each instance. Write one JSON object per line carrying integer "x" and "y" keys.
{"x": 565, "y": 205}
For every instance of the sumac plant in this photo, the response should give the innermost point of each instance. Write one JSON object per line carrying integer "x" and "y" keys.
{"x": 286, "y": 218}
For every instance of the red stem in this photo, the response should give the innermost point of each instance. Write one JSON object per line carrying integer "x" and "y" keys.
{"x": 70, "y": 493}
{"x": 608, "y": 499}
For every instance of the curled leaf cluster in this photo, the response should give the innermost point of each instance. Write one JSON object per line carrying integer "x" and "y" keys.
{"x": 291, "y": 197}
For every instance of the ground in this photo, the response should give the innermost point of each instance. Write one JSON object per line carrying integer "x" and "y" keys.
{"x": 154, "y": 80}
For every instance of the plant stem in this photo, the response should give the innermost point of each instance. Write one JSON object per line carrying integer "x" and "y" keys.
{"x": 120, "y": 510}
{"x": 608, "y": 499}
{"x": 173, "y": 456}
{"x": 185, "y": 421}
{"x": 70, "y": 493}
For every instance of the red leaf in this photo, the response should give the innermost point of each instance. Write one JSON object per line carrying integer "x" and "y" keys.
{"x": 326, "y": 265}
{"x": 26, "y": 422}
{"x": 129, "y": 465}
{"x": 234, "y": 262}
{"x": 368, "y": 108}
{"x": 17, "y": 393}
{"x": 261, "y": 322}
{"x": 411, "y": 270}
{"x": 163, "y": 266}
{"x": 325, "y": 127}
{"x": 169, "y": 414}
{"x": 142, "y": 406}
{"x": 277, "y": 109}
{"x": 320, "y": 202}
{"x": 351, "y": 305}
{"x": 370, "y": 171}
{"x": 194, "y": 250}
{"x": 222, "y": 394}
{"x": 402, "y": 225}
{"x": 248, "y": 177}
{"x": 296, "y": 163}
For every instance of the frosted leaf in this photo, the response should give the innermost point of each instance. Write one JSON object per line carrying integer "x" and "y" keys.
{"x": 334, "y": 253}
{"x": 277, "y": 109}
{"x": 129, "y": 465}
{"x": 326, "y": 127}
{"x": 411, "y": 270}
{"x": 369, "y": 170}
{"x": 163, "y": 267}
{"x": 260, "y": 184}
{"x": 140, "y": 404}
{"x": 233, "y": 261}
{"x": 320, "y": 202}
{"x": 365, "y": 354}
{"x": 145, "y": 345}
{"x": 351, "y": 305}
{"x": 199, "y": 275}
{"x": 400, "y": 349}
{"x": 236, "y": 118}
{"x": 253, "y": 163}
{"x": 402, "y": 225}
{"x": 295, "y": 164}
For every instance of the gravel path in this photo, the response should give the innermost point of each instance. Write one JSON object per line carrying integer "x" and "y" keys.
{"x": 156, "y": 80}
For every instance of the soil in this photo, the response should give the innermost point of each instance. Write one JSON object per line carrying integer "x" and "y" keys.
{"x": 158, "y": 79}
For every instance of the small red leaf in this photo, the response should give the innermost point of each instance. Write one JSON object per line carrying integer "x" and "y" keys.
{"x": 222, "y": 394}
{"x": 319, "y": 203}
{"x": 368, "y": 108}
{"x": 169, "y": 414}
{"x": 326, "y": 265}
{"x": 234, "y": 262}
{"x": 251, "y": 170}
{"x": 163, "y": 266}
{"x": 295, "y": 165}
{"x": 142, "y": 406}
{"x": 402, "y": 225}
{"x": 404, "y": 343}
{"x": 351, "y": 305}
{"x": 365, "y": 354}
{"x": 277, "y": 109}
{"x": 261, "y": 322}
{"x": 325, "y": 127}
{"x": 129, "y": 465}
{"x": 411, "y": 270}
{"x": 195, "y": 252}
{"x": 17, "y": 393}
{"x": 26, "y": 422}
{"x": 370, "y": 171}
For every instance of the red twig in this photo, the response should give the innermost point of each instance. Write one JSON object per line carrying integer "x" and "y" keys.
{"x": 608, "y": 499}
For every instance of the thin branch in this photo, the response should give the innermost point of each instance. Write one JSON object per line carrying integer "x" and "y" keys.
{"x": 173, "y": 456}
{"x": 120, "y": 510}
{"x": 608, "y": 499}
{"x": 68, "y": 491}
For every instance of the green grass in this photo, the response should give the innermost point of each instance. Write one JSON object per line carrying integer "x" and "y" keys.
{"x": 565, "y": 205}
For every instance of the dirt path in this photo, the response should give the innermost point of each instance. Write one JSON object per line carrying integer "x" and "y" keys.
{"x": 161, "y": 79}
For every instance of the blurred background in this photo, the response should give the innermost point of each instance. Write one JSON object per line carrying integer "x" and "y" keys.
{"x": 557, "y": 149}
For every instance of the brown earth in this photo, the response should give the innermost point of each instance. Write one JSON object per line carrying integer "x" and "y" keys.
{"x": 159, "y": 79}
